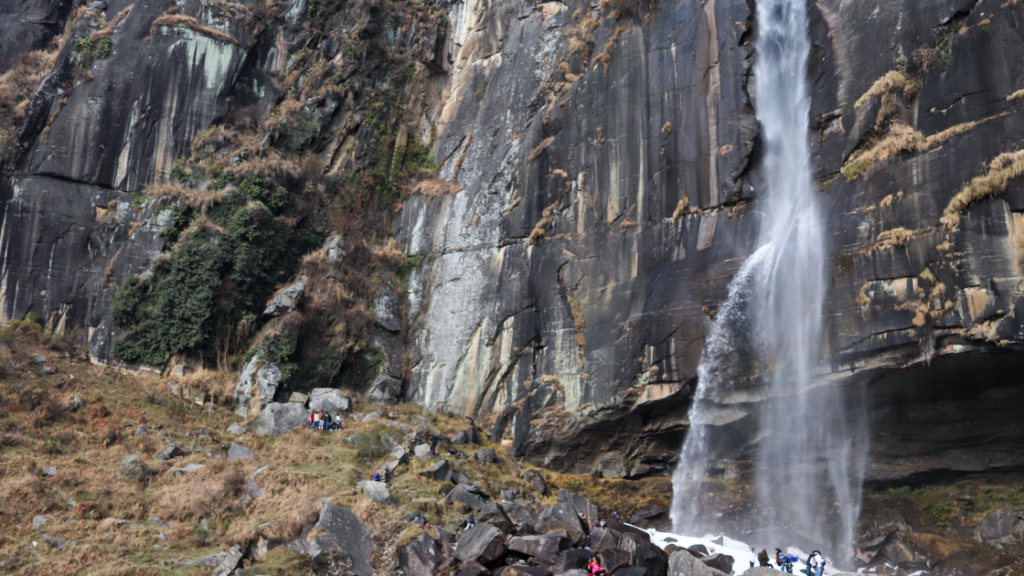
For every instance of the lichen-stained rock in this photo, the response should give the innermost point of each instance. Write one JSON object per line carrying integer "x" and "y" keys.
{"x": 165, "y": 81}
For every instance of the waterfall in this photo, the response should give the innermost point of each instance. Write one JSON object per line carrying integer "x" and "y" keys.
{"x": 757, "y": 393}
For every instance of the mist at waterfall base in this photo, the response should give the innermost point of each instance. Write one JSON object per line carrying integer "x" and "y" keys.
{"x": 756, "y": 396}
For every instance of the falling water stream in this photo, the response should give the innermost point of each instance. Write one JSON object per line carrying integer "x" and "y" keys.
{"x": 757, "y": 393}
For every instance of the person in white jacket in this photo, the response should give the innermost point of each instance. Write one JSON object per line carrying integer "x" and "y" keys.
{"x": 816, "y": 563}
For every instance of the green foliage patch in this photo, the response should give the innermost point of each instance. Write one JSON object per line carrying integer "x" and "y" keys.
{"x": 220, "y": 273}
{"x": 89, "y": 50}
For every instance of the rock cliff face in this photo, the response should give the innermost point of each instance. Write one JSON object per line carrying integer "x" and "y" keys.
{"x": 601, "y": 172}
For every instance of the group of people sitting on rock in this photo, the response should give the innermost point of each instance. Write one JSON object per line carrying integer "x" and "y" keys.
{"x": 815, "y": 564}
{"x": 324, "y": 421}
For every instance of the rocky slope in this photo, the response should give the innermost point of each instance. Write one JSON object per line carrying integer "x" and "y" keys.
{"x": 106, "y": 472}
{"x": 591, "y": 190}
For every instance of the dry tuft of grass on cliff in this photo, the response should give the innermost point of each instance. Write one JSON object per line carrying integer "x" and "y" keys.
{"x": 180, "y": 21}
{"x": 1001, "y": 170}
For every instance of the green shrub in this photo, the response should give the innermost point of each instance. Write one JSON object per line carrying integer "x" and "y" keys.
{"x": 210, "y": 282}
{"x": 901, "y": 491}
{"x": 256, "y": 188}
{"x": 172, "y": 310}
{"x": 222, "y": 180}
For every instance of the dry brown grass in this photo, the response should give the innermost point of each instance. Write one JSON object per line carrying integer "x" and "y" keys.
{"x": 179, "y": 21}
{"x": 581, "y": 36}
{"x": 434, "y": 188}
{"x": 539, "y": 231}
{"x": 19, "y": 83}
{"x": 1003, "y": 168}
{"x": 108, "y": 28}
{"x": 902, "y": 138}
{"x": 219, "y": 384}
{"x": 893, "y": 81}
{"x": 579, "y": 322}
{"x": 682, "y": 209}
{"x": 536, "y": 152}
{"x": 201, "y": 199}
{"x": 605, "y": 56}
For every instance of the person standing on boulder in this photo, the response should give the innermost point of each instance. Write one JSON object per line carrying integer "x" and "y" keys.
{"x": 762, "y": 558}
{"x": 753, "y": 558}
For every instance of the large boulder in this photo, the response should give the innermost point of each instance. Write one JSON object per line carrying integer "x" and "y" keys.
{"x": 257, "y": 384}
{"x": 385, "y": 389}
{"x": 487, "y": 455}
{"x": 580, "y": 504}
{"x": 1002, "y": 528}
{"x": 494, "y": 514}
{"x": 170, "y": 453}
{"x": 278, "y": 418}
{"x": 603, "y": 538}
{"x": 722, "y": 562}
{"x": 340, "y": 544}
{"x": 682, "y": 563}
{"x": 238, "y": 452}
{"x": 467, "y": 436}
{"x": 520, "y": 514}
{"x": 614, "y": 558}
{"x": 462, "y": 493}
{"x": 229, "y": 562}
{"x": 328, "y": 400}
{"x": 544, "y": 547}
{"x": 561, "y": 517}
{"x": 574, "y": 559}
{"x": 375, "y": 491}
{"x": 483, "y": 543}
{"x": 421, "y": 556}
{"x": 440, "y": 471}
{"x": 536, "y": 479}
